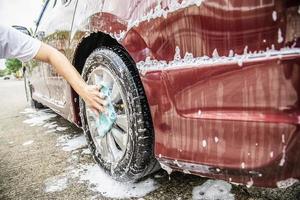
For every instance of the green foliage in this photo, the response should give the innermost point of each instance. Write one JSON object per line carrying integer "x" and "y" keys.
{"x": 13, "y": 65}
{"x": 3, "y": 72}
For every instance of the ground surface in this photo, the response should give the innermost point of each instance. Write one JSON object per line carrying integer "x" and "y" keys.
{"x": 46, "y": 157}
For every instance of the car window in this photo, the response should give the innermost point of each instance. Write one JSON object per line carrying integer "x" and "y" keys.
{"x": 54, "y": 4}
{"x": 47, "y": 13}
{"x": 42, "y": 12}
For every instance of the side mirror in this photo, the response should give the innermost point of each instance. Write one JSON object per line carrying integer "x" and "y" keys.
{"x": 22, "y": 29}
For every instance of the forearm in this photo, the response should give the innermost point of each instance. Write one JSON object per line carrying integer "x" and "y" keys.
{"x": 89, "y": 93}
{"x": 63, "y": 67}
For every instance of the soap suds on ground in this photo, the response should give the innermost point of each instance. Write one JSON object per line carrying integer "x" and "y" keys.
{"x": 41, "y": 118}
{"x": 212, "y": 190}
{"x": 56, "y": 184}
{"x": 99, "y": 182}
{"x": 71, "y": 144}
{"x": 102, "y": 183}
{"x": 89, "y": 173}
{"x": 86, "y": 151}
{"x": 38, "y": 117}
{"x": 27, "y": 143}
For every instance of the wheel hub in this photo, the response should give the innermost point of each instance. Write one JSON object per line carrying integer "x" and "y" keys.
{"x": 109, "y": 130}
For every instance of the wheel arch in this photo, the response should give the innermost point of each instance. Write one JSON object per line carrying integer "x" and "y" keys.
{"x": 88, "y": 44}
{"x": 85, "y": 47}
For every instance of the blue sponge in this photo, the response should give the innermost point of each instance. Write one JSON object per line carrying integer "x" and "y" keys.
{"x": 108, "y": 118}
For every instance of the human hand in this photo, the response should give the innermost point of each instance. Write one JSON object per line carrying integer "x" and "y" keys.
{"x": 93, "y": 99}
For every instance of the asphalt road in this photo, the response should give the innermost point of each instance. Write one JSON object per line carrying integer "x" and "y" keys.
{"x": 43, "y": 158}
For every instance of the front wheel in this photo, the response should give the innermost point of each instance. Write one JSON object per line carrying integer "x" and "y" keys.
{"x": 122, "y": 144}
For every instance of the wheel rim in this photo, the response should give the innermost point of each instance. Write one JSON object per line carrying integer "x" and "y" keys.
{"x": 112, "y": 146}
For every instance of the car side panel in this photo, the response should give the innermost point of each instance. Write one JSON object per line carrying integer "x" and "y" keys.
{"x": 229, "y": 119}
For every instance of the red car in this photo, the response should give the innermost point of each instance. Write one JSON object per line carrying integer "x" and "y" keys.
{"x": 208, "y": 87}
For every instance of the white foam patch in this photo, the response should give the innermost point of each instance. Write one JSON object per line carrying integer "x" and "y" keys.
{"x": 61, "y": 128}
{"x": 41, "y": 118}
{"x": 212, "y": 190}
{"x": 86, "y": 151}
{"x": 166, "y": 168}
{"x": 50, "y": 131}
{"x": 280, "y": 37}
{"x": 38, "y": 118}
{"x": 190, "y": 61}
{"x": 286, "y": 183}
{"x": 50, "y": 125}
{"x": 102, "y": 183}
{"x": 56, "y": 184}
{"x": 71, "y": 144}
{"x": 27, "y": 143}
{"x": 28, "y": 111}
{"x": 158, "y": 11}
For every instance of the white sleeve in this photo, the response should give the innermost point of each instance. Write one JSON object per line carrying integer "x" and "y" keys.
{"x": 15, "y": 44}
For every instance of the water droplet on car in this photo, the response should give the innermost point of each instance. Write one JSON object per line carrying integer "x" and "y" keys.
{"x": 243, "y": 165}
{"x": 215, "y": 54}
{"x": 280, "y": 38}
{"x": 177, "y": 55}
{"x": 216, "y": 139}
{"x": 274, "y": 15}
{"x": 204, "y": 143}
{"x": 199, "y": 112}
{"x": 246, "y": 50}
{"x": 231, "y": 53}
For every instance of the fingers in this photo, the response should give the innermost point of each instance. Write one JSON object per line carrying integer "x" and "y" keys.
{"x": 95, "y": 87}
{"x": 94, "y": 100}
{"x": 102, "y": 96}
{"x": 96, "y": 108}
{"x": 95, "y": 111}
{"x": 99, "y": 108}
{"x": 95, "y": 104}
{"x": 102, "y": 101}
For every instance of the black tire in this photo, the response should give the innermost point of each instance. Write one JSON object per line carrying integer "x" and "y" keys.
{"x": 36, "y": 105}
{"x": 138, "y": 160}
{"x": 28, "y": 90}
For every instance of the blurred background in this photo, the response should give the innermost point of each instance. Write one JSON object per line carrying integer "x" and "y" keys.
{"x": 17, "y": 12}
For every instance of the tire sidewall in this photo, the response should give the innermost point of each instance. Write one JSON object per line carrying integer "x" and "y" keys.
{"x": 106, "y": 58}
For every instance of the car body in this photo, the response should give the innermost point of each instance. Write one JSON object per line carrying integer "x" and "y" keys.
{"x": 8, "y": 77}
{"x": 222, "y": 90}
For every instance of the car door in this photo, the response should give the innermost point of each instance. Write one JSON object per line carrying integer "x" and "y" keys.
{"x": 35, "y": 69}
{"x": 54, "y": 29}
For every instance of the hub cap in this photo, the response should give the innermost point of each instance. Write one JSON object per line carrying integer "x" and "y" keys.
{"x": 113, "y": 144}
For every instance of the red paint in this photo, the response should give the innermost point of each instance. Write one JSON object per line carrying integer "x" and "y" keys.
{"x": 248, "y": 120}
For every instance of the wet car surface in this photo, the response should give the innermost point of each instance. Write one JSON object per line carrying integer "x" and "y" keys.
{"x": 37, "y": 159}
{"x": 211, "y": 86}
